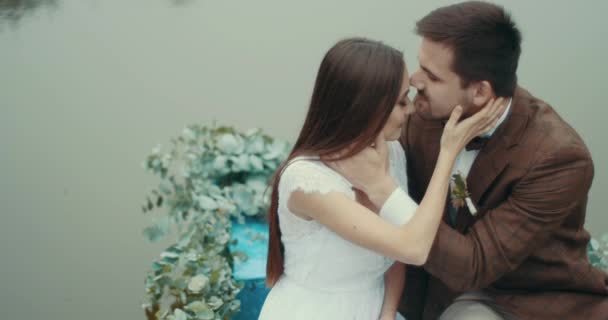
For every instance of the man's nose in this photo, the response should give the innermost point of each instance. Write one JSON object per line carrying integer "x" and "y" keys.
{"x": 416, "y": 81}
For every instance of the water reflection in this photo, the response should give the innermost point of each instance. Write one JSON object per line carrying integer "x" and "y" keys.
{"x": 11, "y": 11}
{"x": 180, "y": 2}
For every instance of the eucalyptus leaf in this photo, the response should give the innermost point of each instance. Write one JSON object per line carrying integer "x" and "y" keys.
{"x": 181, "y": 283}
{"x": 220, "y": 162}
{"x": 205, "y": 314}
{"x": 256, "y": 163}
{"x": 240, "y": 163}
{"x": 189, "y": 134}
{"x": 153, "y": 233}
{"x": 185, "y": 240}
{"x": 157, "y": 266}
{"x": 594, "y": 244}
{"x": 257, "y": 183}
{"x": 206, "y": 202}
{"x": 214, "y": 302}
{"x": 235, "y": 305}
{"x": 256, "y": 145}
{"x": 178, "y": 314}
{"x": 228, "y": 143}
{"x": 169, "y": 255}
{"x": 197, "y": 283}
{"x": 197, "y": 306}
{"x": 164, "y": 189}
{"x": 274, "y": 150}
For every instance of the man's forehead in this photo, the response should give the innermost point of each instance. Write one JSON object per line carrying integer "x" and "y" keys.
{"x": 435, "y": 56}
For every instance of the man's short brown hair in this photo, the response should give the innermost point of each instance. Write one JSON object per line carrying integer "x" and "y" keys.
{"x": 485, "y": 42}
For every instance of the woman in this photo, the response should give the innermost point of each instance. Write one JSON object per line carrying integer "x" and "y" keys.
{"x": 330, "y": 252}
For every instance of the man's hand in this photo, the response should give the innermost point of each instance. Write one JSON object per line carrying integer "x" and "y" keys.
{"x": 368, "y": 171}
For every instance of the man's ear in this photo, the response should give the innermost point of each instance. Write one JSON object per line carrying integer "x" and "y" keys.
{"x": 482, "y": 93}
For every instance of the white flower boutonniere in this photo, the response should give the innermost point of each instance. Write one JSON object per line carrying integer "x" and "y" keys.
{"x": 461, "y": 195}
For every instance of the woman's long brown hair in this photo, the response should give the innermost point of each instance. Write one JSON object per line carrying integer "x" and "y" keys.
{"x": 355, "y": 91}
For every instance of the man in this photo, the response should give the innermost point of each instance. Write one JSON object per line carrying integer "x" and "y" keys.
{"x": 516, "y": 248}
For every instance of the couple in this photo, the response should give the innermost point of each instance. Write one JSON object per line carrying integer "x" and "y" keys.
{"x": 348, "y": 212}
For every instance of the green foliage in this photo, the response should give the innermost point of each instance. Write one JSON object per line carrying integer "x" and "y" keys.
{"x": 222, "y": 177}
{"x": 597, "y": 251}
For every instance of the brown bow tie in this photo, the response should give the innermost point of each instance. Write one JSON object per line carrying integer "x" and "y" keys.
{"x": 477, "y": 143}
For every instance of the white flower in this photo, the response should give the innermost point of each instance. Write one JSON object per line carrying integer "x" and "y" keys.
{"x": 197, "y": 283}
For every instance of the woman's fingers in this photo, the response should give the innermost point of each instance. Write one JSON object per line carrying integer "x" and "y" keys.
{"x": 484, "y": 113}
{"x": 454, "y": 117}
{"x": 495, "y": 111}
{"x": 484, "y": 120}
{"x": 491, "y": 112}
{"x": 488, "y": 127}
{"x": 479, "y": 123}
{"x": 497, "y": 108}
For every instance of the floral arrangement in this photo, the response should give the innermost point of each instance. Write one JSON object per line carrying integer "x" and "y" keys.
{"x": 211, "y": 177}
{"x": 460, "y": 193}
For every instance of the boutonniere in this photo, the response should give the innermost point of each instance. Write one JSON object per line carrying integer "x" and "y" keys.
{"x": 460, "y": 194}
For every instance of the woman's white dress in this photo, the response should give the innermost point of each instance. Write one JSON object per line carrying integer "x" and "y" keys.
{"x": 326, "y": 276}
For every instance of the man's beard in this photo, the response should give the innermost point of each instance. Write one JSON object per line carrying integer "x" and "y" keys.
{"x": 424, "y": 108}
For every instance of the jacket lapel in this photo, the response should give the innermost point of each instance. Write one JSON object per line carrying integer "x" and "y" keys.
{"x": 494, "y": 157}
